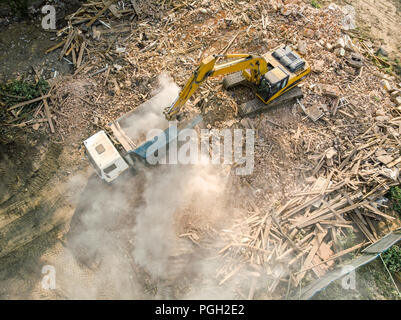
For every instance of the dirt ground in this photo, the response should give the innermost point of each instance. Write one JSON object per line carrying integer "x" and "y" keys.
{"x": 381, "y": 21}
{"x": 47, "y": 187}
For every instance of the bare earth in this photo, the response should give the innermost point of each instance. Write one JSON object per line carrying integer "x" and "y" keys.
{"x": 382, "y": 20}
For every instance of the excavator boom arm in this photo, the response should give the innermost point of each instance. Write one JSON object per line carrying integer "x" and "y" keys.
{"x": 208, "y": 68}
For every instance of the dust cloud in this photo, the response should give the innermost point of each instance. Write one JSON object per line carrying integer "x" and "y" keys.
{"x": 149, "y": 115}
{"x": 128, "y": 239}
{"x": 125, "y": 238}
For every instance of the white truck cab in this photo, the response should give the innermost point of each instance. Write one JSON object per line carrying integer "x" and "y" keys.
{"x": 104, "y": 157}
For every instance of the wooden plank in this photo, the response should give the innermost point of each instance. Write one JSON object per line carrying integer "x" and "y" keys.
{"x": 378, "y": 212}
{"x": 335, "y": 203}
{"x": 372, "y": 227}
{"x": 74, "y": 57}
{"x": 356, "y": 209}
{"x": 327, "y": 191}
{"x": 67, "y": 43}
{"x": 337, "y": 255}
{"x": 318, "y": 240}
{"x": 362, "y": 227}
{"x": 58, "y": 45}
{"x": 308, "y": 261}
{"x": 393, "y": 163}
{"x": 305, "y": 205}
{"x": 48, "y": 114}
{"x": 21, "y": 104}
{"x": 81, "y": 54}
{"x": 347, "y": 159}
{"x": 327, "y": 216}
{"x": 89, "y": 24}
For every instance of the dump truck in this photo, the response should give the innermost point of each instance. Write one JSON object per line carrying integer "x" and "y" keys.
{"x": 119, "y": 150}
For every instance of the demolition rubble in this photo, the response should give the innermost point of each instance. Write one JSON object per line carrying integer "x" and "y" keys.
{"x": 323, "y": 164}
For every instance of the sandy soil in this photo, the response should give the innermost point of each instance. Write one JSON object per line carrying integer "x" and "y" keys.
{"x": 381, "y": 19}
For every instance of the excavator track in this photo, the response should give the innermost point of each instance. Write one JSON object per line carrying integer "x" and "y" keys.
{"x": 256, "y": 105}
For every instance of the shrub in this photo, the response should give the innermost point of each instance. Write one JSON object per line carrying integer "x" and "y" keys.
{"x": 395, "y": 195}
{"x": 392, "y": 258}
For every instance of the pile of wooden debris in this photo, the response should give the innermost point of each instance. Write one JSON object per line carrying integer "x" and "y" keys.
{"x": 338, "y": 149}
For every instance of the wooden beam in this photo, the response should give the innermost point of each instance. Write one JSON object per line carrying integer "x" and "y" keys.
{"x": 21, "y": 104}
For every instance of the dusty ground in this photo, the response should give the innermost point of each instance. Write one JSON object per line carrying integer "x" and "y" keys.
{"x": 381, "y": 20}
{"x": 43, "y": 202}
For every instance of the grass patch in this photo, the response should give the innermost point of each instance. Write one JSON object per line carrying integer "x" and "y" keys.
{"x": 392, "y": 258}
{"x": 315, "y": 4}
{"x": 395, "y": 196}
{"x": 17, "y": 91}
{"x": 372, "y": 283}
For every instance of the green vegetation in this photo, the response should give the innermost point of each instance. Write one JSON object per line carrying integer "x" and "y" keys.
{"x": 392, "y": 258}
{"x": 315, "y": 4}
{"x": 372, "y": 283}
{"x": 376, "y": 98}
{"x": 395, "y": 196}
{"x": 17, "y": 91}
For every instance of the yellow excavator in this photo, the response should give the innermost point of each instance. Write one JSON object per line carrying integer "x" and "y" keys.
{"x": 270, "y": 76}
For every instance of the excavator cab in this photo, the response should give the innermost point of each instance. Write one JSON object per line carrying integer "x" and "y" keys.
{"x": 285, "y": 70}
{"x": 272, "y": 82}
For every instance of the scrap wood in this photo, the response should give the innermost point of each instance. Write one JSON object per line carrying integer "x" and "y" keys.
{"x": 342, "y": 224}
{"x": 106, "y": 6}
{"x": 361, "y": 225}
{"x": 305, "y": 205}
{"x": 113, "y": 9}
{"x": 58, "y": 45}
{"x": 67, "y": 44}
{"x": 334, "y": 204}
{"x": 335, "y": 256}
{"x": 48, "y": 114}
{"x": 309, "y": 258}
{"x": 326, "y": 191}
{"x": 81, "y": 54}
{"x": 285, "y": 235}
{"x": 393, "y": 163}
{"x": 326, "y": 216}
{"x": 372, "y": 227}
{"x": 21, "y": 104}
{"x": 346, "y": 160}
{"x": 355, "y": 167}
{"x": 356, "y": 209}
{"x": 232, "y": 273}
{"x": 377, "y": 211}
{"x": 29, "y": 122}
{"x": 338, "y": 217}
{"x": 229, "y": 44}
